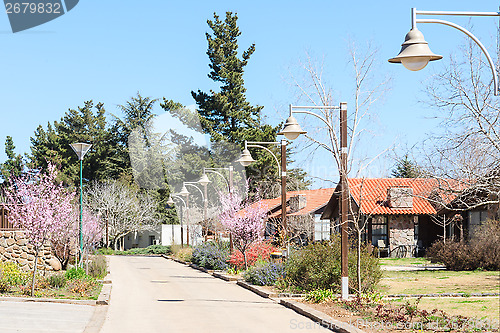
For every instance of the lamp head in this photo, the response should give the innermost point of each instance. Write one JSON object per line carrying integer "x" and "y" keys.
{"x": 246, "y": 158}
{"x": 80, "y": 149}
{"x": 170, "y": 201}
{"x": 184, "y": 191}
{"x": 415, "y": 53}
{"x": 292, "y": 129}
{"x": 204, "y": 180}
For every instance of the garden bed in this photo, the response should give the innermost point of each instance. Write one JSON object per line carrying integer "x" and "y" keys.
{"x": 402, "y": 317}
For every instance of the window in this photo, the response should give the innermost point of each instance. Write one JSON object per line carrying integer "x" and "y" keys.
{"x": 152, "y": 240}
{"x": 476, "y": 218}
{"x": 379, "y": 228}
{"x": 321, "y": 228}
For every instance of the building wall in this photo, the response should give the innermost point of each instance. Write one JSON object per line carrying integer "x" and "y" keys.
{"x": 14, "y": 247}
{"x": 402, "y": 234}
{"x": 171, "y": 234}
{"x": 142, "y": 238}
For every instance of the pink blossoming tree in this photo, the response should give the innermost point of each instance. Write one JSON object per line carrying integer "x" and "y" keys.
{"x": 41, "y": 207}
{"x": 244, "y": 220}
{"x": 92, "y": 230}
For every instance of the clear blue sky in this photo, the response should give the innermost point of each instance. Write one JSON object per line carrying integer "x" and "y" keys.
{"x": 109, "y": 50}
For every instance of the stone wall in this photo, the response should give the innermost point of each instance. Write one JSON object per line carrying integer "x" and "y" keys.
{"x": 402, "y": 233}
{"x": 15, "y": 247}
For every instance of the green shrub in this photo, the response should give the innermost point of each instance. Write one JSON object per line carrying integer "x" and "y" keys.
{"x": 12, "y": 274}
{"x": 4, "y": 285}
{"x": 211, "y": 255}
{"x": 159, "y": 249}
{"x": 185, "y": 254}
{"x": 106, "y": 251}
{"x": 152, "y": 249}
{"x": 76, "y": 273}
{"x": 57, "y": 280}
{"x": 264, "y": 273}
{"x": 318, "y": 266}
{"x": 482, "y": 251}
{"x": 98, "y": 267}
{"x": 320, "y": 295}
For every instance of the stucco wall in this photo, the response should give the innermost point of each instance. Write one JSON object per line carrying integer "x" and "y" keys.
{"x": 15, "y": 247}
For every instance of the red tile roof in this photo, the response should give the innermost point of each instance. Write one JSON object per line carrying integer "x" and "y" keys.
{"x": 370, "y": 194}
{"x": 315, "y": 199}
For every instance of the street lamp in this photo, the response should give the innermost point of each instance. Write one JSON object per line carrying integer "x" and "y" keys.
{"x": 203, "y": 198}
{"x": 415, "y": 53}
{"x": 292, "y": 130}
{"x": 246, "y": 159}
{"x": 205, "y": 181}
{"x": 171, "y": 202}
{"x": 229, "y": 182}
{"x": 81, "y": 149}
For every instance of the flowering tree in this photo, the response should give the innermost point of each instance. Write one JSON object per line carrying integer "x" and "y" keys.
{"x": 244, "y": 220}
{"x": 124, "y": 208}
{"x": 41, "y": 207}
{"x": 91, "y": 230}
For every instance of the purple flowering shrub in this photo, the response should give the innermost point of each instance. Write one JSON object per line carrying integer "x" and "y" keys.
{"x": 265, "y": 273}
{"x": 211, "y": 255}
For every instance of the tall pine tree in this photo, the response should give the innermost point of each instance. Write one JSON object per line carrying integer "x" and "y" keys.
{"x": 13, "y": 166}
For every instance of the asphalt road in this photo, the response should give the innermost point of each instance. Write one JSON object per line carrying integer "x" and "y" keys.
{"x": 152, "y": 294}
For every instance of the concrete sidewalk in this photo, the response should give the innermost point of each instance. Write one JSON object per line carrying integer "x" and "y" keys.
{"x": 39, "y": 317}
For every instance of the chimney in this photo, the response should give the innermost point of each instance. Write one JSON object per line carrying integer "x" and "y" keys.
{"x": 400, "y": 197}
{"x": 297, "y": 203}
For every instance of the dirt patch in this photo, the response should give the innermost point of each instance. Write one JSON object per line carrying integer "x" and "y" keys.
{"x": 373, "y": 319}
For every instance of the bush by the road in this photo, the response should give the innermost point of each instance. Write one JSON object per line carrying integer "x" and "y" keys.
{"x": 98, "y": 267}
{"x": 152, "y": 249}
{"x": 211, "y": 255}
{"x": 265, "y": 273}
{"x": 482, "y": 251}
{"x": 257, "y": 251}
{"x": 318, "y": 266}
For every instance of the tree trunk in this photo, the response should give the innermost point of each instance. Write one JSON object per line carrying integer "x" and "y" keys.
{"x": 358, "y": 264}
{"x": 116, "y": 243}
{"x": 444, "y": 229}
{"x": 245, "y": 259}
{"x": 34, "y": 273}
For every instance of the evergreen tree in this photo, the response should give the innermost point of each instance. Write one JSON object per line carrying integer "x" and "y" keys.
{"x": 227, "y": 115}
{"x": 406, "y": 168}
{"x": 13, "y": 166}
{"x": 84, "y": 124}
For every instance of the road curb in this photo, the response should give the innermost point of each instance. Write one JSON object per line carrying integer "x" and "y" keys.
{"x": 259, "y": 291}
{"x": 444, "y": 295}
{"x": 48, "y": 300}
{"x": 105, "y": 294}
{"x": 319, "y": 317}
{"x": 224, "y": 277}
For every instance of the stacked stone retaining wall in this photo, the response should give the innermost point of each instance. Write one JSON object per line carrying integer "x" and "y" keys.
{"x": 14, "y": 247}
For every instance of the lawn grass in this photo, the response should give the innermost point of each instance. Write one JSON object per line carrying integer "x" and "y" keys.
{"x": 472, "y": 307}
{"x": 441, "y": 281}
{"x": 403, "y": 261}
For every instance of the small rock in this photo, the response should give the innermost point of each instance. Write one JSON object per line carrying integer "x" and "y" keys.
{"x": 10, "y": 241}
{"x": 55, "y": 264}
{"x": 22, "y": 241}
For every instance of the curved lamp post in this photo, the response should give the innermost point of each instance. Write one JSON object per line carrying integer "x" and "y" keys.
{"x": 171, "y": 202}
{"x": 291, "y": 131}
{"x": 204, "y": 181}
{"x": 81, "y": 149}
{"x": 415, "y": 53}
{"x": 246, "y": 159}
